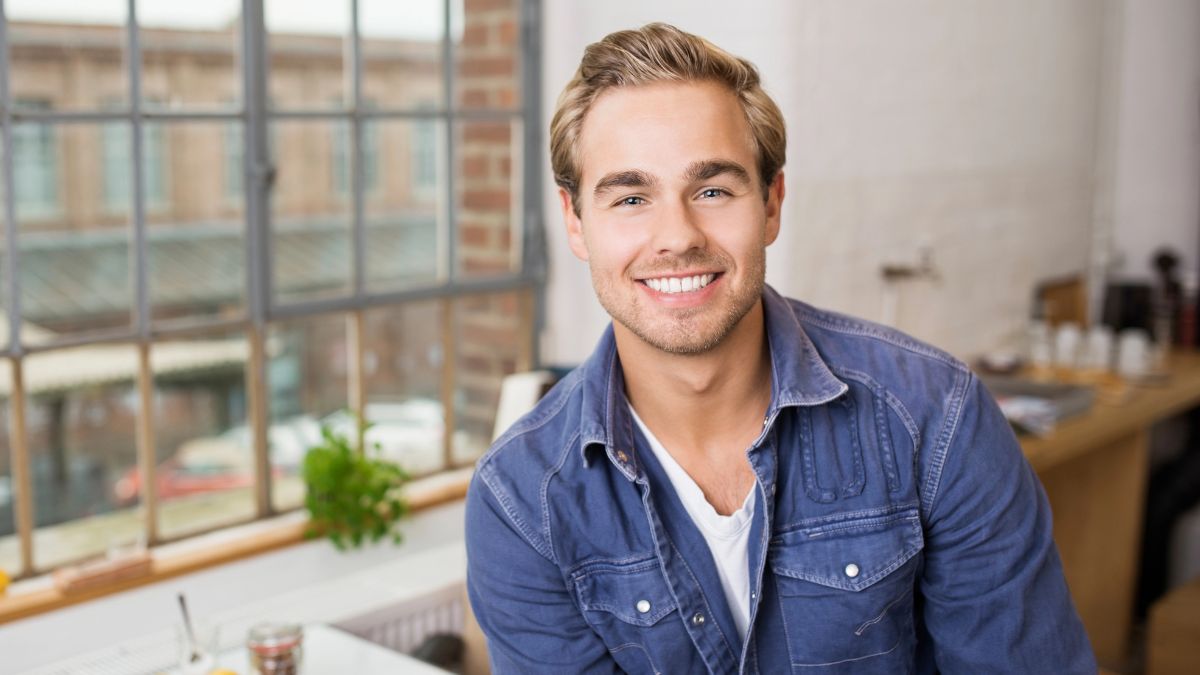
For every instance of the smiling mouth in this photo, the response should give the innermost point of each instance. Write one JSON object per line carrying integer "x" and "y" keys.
{"x": 686, "y": 284}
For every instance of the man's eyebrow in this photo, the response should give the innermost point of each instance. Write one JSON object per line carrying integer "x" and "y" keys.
{"x": 711, "y": 168}
{"x": 627, "y": 178}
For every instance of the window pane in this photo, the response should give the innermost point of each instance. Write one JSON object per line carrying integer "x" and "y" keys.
{"x": 402, "y": 52}
{"x": 36, "y": 168}
{"x": 69, "y": 54}
{"x": 307, "y": 384}
{"x": 402, "y": 363}
{"x": 116, "y": 167}
{"x": 487, "y": 193}
{"x": 487, "y": 53}
{"x": 405, "y": 206}
{"x": 310, "y": 222}
{"x": 490, "y": 343}
{"x": 81, "y": 420}
{"x": 10, "y": 551}
{"x": 342, "y": 155}
{"x": 307, "y": 53}
{"x": 196, "y": 226}
{"x": 190, "y": 53}
{"x": 233, "y": 168}
{"x": 203, "y": 447}
{"x": 74, "y": 228}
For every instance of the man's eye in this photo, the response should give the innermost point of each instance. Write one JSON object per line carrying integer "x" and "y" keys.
{"x": 713, "y": 193}
{"x": 631, "y": 201}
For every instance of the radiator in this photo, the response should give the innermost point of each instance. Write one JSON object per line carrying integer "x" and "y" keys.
{"x": 405, "y": 626}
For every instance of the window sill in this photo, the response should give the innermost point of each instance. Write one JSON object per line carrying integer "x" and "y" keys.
{"x": 37, "y": 596}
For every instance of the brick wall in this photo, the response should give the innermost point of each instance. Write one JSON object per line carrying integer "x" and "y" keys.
{"x": 490, "y": 339}
{"x": 491, "y": 343}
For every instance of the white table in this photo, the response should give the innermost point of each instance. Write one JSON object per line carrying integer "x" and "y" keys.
{"x": 329, "y": 651}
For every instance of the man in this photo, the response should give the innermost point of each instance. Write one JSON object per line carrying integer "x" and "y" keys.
{"x": 734, "y": 481}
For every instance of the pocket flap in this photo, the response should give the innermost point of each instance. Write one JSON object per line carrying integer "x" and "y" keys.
{"x": 635, "y": 593}
{"x": 848, "y": 554}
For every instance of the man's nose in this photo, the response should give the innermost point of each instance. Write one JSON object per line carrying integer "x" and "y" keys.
{"x": 678, "y": 230}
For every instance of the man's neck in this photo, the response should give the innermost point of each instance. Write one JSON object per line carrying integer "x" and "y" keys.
{"x": 709, "y": 403}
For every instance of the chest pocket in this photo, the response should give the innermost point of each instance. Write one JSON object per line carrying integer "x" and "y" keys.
{"x": 846, "y": 590}
{"x": 635, "y": 594}
{"x": 631, "y": 607}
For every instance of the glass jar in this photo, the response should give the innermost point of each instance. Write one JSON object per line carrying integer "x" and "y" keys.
{"x": 275, "y": 648}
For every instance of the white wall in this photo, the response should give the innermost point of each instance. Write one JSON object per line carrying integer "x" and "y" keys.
{"x": 969, "y": 126}
{"x": 1156, "y": 159}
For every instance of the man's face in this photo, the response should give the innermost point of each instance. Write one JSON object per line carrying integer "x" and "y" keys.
{"x": 672, "y": 219}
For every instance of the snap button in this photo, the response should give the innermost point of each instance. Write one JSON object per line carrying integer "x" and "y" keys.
{"x": 698, "y": 619}
{"x": 622, "y": 456}
{"x": 851, "y": 570}
{"x": 643, "y": 606}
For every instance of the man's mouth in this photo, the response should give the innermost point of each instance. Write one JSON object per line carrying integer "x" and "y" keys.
{"x": 685, "y": 284}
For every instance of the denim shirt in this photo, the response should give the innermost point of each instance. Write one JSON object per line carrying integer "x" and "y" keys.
{"x": 899, "y": 528}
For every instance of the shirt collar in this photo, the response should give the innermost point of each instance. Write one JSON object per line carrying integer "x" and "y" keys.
{"x": 799, "y": 377}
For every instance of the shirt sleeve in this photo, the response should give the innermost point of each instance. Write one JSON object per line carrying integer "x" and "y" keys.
{"x": 996, "y": 600}
{"x": 521, "y": 600}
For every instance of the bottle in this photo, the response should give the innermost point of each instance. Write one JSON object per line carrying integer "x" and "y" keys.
{"x": 1185, "y": 336}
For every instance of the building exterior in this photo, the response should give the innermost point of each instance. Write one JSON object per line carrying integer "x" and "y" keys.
{"x": 74, "y": 203}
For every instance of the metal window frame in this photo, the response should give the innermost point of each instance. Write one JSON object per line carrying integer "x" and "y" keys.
{"x": 262, "y": 308}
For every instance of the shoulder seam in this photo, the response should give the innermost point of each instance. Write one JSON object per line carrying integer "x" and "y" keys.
{"x": 946, "y": 438}
{"x": 846, "y": 326}
{"x": 517, "y": 522}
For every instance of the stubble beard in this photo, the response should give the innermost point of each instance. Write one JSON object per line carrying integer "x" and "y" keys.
{"x": 687, "y": 331}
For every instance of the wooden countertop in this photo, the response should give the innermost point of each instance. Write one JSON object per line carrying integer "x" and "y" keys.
{"x": 1108, "y": 421}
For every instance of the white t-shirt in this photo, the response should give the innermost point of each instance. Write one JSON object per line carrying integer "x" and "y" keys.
{"x": 728, "y": 537}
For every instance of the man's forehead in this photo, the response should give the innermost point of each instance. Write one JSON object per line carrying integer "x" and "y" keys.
{"x": 664, "y": 130}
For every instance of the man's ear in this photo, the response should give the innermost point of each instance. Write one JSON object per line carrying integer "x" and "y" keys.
{"x": 774, "y": 207}
{"x": 574, "y": 226}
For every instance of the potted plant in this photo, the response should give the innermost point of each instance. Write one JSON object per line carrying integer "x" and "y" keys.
{"x": 352, "y": 497}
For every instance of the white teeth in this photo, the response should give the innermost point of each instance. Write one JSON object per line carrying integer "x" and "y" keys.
{"x": 680, "y": 284}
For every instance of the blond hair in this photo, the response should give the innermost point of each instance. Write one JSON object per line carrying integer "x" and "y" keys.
{"x": 659, "y": 52}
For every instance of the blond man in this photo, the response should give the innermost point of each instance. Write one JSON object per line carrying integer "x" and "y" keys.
{"x": 735, "y": 481}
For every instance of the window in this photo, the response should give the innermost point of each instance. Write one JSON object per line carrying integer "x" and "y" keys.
{"x": 424, "y": 153}
{"x": 117, "y": 169}
{"x": 341, "y": 140}
{"x": 35, "y": 166}
{"x": 275, "y": 276}
{"x": 235, "y": 140}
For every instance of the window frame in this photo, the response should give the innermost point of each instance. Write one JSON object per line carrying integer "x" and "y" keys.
{"x": 262, "y": 307}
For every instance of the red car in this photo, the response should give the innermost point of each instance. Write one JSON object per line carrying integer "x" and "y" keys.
{"x": 224, "y": 462}
{"x": 199, "y": 466}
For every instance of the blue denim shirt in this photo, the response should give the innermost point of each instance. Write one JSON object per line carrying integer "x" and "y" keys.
{"x": 899, "y": 529}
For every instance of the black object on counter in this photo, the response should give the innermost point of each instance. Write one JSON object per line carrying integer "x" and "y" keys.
{"x": 1129, "y": 305}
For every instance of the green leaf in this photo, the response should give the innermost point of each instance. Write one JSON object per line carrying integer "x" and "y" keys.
{"x": 351, "y": 496}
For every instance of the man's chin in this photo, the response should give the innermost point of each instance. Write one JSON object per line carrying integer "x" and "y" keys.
{"x": 682, "y": 340}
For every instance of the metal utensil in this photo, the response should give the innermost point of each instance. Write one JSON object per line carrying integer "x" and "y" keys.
{"x": 191, "y": 634}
